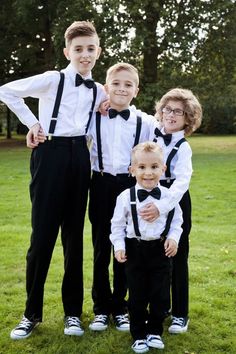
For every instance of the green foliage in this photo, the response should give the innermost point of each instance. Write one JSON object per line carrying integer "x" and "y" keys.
{"x": 212, "y": 262}
{"x": 184, "y": 43}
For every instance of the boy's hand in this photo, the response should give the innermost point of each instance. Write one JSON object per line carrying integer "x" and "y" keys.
{"x": 35, "y": 136}
{"x": 103, "y": 108}
{"x": 171, "y": 248}
{"x": 149, "y": 212}
{"x": 120, "y": 256}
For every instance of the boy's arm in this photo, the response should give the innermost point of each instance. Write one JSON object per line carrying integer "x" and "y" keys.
{"x": 13, "y": 94}
{"x": 183, "y": 172}
{"x": 118, "y": 224}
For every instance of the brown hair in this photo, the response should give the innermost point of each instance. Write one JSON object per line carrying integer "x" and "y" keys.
{"x": 80, "y": 29}
{"x": 192, "y": 108}
{"x": 123, "y": 66}
{"x": 147, "y": 146}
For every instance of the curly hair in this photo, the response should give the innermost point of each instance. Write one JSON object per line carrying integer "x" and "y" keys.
{"x": 192, "y": 108}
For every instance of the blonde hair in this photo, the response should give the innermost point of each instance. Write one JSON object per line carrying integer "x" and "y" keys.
{"x": 147, "y": 146}
{"x": 192, "y": 108}
{"x": 123, "y": 66}
{"x": 80, "y": 29}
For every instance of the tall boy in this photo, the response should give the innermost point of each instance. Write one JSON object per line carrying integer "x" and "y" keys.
{"x": 146, "y": 247}
{"x": 113, "y": 137}
{"x": 60, "y": 170}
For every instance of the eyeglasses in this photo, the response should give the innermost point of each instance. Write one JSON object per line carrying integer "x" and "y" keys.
{"x": 176, "y": 111}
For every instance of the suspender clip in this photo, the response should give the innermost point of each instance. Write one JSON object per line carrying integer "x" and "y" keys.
{"x": 50, "y": 137}
{"x": 101, "y": 171}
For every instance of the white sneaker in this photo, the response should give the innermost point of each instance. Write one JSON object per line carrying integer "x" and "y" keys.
{"x": 155, "y": 341}
{"x": 140, "y": 346}
{"x": 122, "y": 322}
{"x": 100, "y": 323}
{"x": 24, "y": 329}
{"x": 178, "y": 325}
{"x": 73, "y": 326}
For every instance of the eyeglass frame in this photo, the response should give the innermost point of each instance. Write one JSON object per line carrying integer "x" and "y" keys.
{"x": 169, "y": 111}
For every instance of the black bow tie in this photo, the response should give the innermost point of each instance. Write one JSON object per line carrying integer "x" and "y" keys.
{"x": 124, "y": 114}
{"x": 167, "y": 137}
{"x": 143, "y": 194}
{"x": 89, "y": 83}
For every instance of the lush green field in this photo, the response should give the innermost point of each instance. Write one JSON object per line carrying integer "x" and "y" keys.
{"x": 212, "y": 262}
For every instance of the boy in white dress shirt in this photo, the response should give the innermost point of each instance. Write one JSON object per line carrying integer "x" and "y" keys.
{"x": 146, "y": 247}
{"x": 60, "y": 170}
{"x": 179, "y": 113}
{"x": 114, "y": 136}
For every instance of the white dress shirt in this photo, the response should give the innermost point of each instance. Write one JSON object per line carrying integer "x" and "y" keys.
{"x": 180, "y": 169}
{"x": 75, "y": 103}
{"x": 117, "y": 140}
{"x": 122, "y": 222}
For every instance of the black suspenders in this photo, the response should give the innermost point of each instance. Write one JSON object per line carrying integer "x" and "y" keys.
{"x": 171, "y": 156}
{"x": 135, "y": 217}
{"x": 57, "y": 105}
{"x": 99, "y": 141}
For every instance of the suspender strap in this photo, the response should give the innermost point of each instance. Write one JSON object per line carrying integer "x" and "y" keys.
{"x": 56, "y": 105}
{"x": 168, "y": 222}
{"x": 134, "y": 212}
{"x": 171, "y": 156}
{"x": 99, "y": 140}
{"x": 99, "y": 143}
{"x": 92, "y": 106}
{"x": 135, "y": 217}
{"x": 138, "y": 130}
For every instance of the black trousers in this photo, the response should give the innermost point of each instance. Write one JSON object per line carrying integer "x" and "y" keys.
{"x": 148, "y": 277}
{"x": 180, "y": 274}
{"x": 104, "y": 190}
{"x": 60, "y": 171}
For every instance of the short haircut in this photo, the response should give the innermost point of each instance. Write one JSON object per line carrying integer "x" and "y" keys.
{"x": 192, "y": 108}
{"x": 147, "y": 146}
{"x": 123, "y": 66}
{"x": 80, "y": 29}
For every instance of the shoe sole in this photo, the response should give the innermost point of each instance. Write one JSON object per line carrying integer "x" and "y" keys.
{"x": 157, "y": 346}
{"x": 98, "y": 329}
{"x": 123, "y": 329}
{"x": 141, "y": 350}
{"x": 73, "y": 333}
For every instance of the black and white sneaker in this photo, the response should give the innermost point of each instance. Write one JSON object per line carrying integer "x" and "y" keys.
{"x": 122, "y": 322}
{"x": 140, "y": 346}
{"x": 24, "y": 329}
{"x": 155, "y": 341}
{"x": 100, "y": 323}
{"x": 178, "y": 325}
{"x": 73, "y": 326}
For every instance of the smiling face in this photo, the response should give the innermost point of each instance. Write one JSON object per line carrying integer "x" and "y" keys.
{"x": 147, "y": 167}
{"x": 121, "y": 88}
{"x": 83, "y": 51}
{"x": 172, "y": 122}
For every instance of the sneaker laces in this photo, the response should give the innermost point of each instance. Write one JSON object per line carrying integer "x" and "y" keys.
{"x": 122, "y": 318}
{"x": 178, "y": 321}
{"x": 139, "y": 342}
{"x": 100, "y": 318}
{"x": 73, "y": 321}
{"x": 24, "y": 323}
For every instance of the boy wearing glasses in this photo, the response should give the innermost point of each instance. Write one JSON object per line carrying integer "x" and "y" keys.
{"x": 179, "y": 113}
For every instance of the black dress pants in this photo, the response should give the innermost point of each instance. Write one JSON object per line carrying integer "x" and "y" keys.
{"x": 148, "y": 277}
{"x": 179, "y": 274}
{"x": 60, "y": 171}
{"x": 104, "y": 190}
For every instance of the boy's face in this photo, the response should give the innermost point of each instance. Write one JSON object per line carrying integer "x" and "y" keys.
{"x": 173, "y": 121}
{"x": 121, "y": 89}
{"x": 147, "y": 168}
{"x": 83, "y": 53}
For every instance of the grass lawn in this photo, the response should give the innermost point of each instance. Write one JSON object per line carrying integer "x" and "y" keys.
{"x": 212, "y": 262}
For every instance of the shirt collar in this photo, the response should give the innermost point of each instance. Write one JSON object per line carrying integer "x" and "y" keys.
{"x": 71, "y": 72}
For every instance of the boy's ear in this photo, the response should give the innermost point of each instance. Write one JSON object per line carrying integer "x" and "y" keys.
{"x": 106, "y": 88}
{"x": 164, "y": 168}
{"x": 136, "y": 92}
{"x": 99, "y": 52}
{"x": 131, "y": 171}
{"x": 66, "y": 53}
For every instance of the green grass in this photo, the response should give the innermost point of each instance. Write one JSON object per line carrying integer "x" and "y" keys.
{"x": 212, "y": 262}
